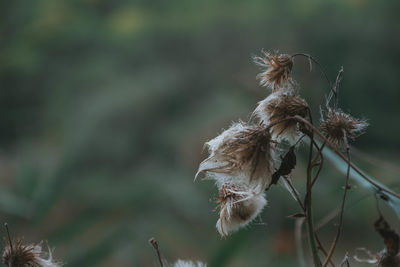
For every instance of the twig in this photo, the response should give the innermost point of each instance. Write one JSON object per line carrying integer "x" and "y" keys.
{"x": 298, "y": 237}
{"x": 345, "y": 260}
{"x": 322, "y": 248}
{"x": 296, "y": 196}
{"x": 9, "y": 237}
{"x": 320, "y": 163}
{"x": 346, "y": 187}
{"x": 335, "y": 89}
{"x": 308, "y": 206}
{"x": 161, "y": 259}
{"x": 318, "y": 64}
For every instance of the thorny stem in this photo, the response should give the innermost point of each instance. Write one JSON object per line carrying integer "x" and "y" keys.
{"x": 346, "y": 187}
{"x": 154, "y": 243}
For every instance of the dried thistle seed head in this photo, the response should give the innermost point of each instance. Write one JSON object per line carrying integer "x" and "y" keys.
{"x": 277, "y": 72}
{"x": 238, "y": 206}
{"x": 19, "y": 255}
{"x": 279, "y": 107}
{"x": 337, "y": 124}
{"x": 181, "y": 263}
{"x": 241, "y": 154}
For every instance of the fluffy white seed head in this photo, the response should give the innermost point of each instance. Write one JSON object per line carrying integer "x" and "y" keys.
{"x": 280, "y": 107}
{"x": 242, "y": 154}
{"x": 238, "y": 207}
{"x": 276, "y": 70}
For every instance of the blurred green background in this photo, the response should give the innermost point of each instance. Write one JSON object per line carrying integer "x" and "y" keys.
{"x": 105, "y": 106}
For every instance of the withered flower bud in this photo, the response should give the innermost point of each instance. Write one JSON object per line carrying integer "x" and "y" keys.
{"x": 19, "y": 255}
{"x": 279, "y": 107}
{"x": 277, "y": 73}
{"x": 238, "y": 206}
{"x": 241, "y": 154}
{"x": 337, "y": 124}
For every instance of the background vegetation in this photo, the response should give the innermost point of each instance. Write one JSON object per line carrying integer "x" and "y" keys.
{"x": 105, "y": 106}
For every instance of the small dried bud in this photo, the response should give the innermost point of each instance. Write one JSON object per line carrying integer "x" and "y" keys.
{"x": 241, "y": 154}
{"x": 238, "y": 206}
{"x": 279, "y": 107}
{"x": 277, "y": 73}
{"x": 181, "y": 263}
{"x": 19, "y": 255}
{"x": 337, "y": 124}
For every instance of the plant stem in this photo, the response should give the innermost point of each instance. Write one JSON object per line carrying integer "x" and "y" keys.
{"x": 340, "y": 154}
{"x": 308, "y": 206}
{"x": 161, "y": 260}
{"x": 346, "y": 187}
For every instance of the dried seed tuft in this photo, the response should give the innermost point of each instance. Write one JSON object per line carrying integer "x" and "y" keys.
{"x": 279, "y": 107}
{"x": 337, "y": 123}
{"x": 241, "y": 154}
{"x": 238, "y": 206}
{"x": 277, "y": 73}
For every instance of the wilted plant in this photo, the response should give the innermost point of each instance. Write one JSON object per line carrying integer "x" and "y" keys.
{"x": 242, "y": 158}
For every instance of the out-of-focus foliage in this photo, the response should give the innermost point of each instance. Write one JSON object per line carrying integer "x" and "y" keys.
{"x": 105, "y": 105}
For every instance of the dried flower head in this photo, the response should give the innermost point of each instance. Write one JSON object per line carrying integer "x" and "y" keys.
{"x": 241, "y": 154}
{"x": 19, "y": 255}
{"x": 277, "y": 73}
{"x": 279, "y": 107}
{"x": 181, "y": 263}
{"x": 238, "y": 206}
{"x": 337, "y": 124}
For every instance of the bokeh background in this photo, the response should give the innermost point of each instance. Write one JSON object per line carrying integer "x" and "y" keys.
{"x": 105, "y": 106}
